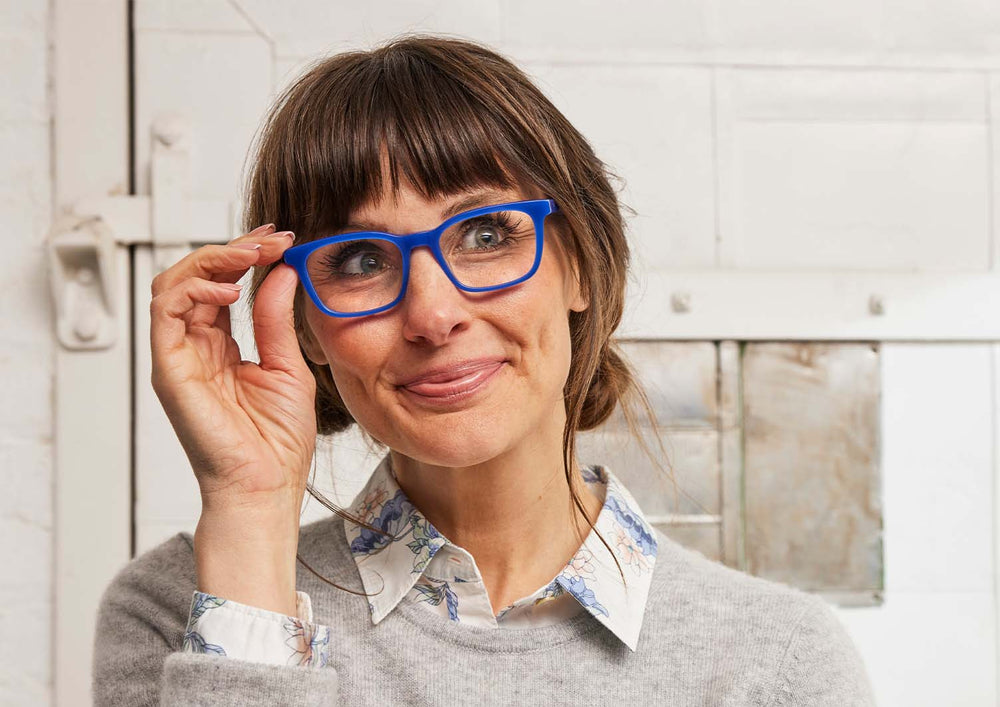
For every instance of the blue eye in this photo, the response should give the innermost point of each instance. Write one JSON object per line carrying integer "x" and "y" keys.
{"x": 482, "y": 237}
{"x": 362, "y": 264}
{"x": 357, "y": 258}
{"x": 487, "y": 232}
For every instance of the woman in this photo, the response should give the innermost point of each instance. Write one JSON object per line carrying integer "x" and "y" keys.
{"x": 462, "y": 261}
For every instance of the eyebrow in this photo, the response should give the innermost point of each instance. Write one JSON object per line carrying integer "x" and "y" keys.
{"x": 466, "y": 203}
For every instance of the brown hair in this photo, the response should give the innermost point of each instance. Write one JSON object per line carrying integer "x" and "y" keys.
{"x": 450, "y": 115}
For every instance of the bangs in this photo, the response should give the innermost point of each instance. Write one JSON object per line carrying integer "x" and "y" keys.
{"x": 397, "y": 116}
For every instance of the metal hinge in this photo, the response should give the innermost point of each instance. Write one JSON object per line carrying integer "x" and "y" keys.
{"x": 82, "y": 243}
{"x": 82, "y": 276}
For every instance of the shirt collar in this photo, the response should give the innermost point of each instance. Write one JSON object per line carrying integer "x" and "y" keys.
{"x": 390, "y": 566}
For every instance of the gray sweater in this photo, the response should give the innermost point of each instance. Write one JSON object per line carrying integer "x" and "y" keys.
{"x": 710, "y": 636}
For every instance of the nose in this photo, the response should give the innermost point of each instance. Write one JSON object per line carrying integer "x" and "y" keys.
{"x": 433, "y": 308}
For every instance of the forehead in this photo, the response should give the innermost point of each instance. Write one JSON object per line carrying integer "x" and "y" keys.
{"x": 399, "y": 206}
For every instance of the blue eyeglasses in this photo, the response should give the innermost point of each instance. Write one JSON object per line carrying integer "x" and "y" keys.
{"x": 481, "y": 250}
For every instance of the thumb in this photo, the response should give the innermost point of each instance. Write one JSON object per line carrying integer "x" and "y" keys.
{"x": 274, "y": 324}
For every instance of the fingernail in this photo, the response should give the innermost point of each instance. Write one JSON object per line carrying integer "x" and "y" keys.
{"x": 262, "y": 229}
{"x": 282, "y": 234}
{"x": 231, "y": 286}
{"x": 247, "y": 246}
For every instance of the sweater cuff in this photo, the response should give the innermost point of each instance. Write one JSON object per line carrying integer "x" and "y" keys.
{"x": 223, "y": 627}
{"x": 210, "y": 681}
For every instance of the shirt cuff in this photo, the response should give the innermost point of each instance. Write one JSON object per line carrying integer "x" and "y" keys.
{"x": 224, "y": 627}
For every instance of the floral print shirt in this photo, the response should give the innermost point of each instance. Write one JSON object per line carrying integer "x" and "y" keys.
{"x": 413, "y": 562}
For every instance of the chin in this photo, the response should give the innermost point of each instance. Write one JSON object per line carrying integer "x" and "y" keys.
{"x": 443, "y": 447}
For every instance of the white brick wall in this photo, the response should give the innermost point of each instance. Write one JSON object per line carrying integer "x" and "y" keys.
{"x": 26, "y": 354}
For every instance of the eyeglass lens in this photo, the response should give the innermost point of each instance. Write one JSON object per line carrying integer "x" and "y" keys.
{"x": 360, "y": 274}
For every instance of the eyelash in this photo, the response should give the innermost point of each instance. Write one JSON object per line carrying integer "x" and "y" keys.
{"x": 338, "y": 259}
{"x": 500, "y": 219}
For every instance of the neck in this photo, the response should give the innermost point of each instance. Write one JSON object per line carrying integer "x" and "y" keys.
{"x": 514, "y": 513}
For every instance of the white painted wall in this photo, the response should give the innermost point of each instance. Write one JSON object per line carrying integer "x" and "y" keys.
{"x": 784, "y": 133}
{"x": 26, "y": 355}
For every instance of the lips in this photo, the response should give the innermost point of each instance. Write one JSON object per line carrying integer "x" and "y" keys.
{"x": 464, "y": 377}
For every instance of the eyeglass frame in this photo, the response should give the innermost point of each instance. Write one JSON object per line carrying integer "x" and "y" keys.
{"x": 537, "y": 209}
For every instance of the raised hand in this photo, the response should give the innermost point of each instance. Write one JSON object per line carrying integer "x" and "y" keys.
{"x": 249, "y": 430}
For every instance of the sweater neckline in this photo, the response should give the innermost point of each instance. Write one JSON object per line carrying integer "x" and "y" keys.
{"x": 609, "y": 575}
{"x": 498, "y": 640}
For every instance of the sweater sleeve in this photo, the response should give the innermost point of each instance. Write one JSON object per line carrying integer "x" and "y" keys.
{"x": 139, "y": 656}
{"x": 821, "y": 666}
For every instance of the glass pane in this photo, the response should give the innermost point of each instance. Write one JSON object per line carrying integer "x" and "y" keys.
{"x": 492, "y": 249}
{"x": 356, "y": 275}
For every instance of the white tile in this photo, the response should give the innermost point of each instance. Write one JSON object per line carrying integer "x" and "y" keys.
{"x": 653, "y": 126}
{"x": 25, "y": 178}
{"x": 190, "y": 15}
{"x": 27, "y": 381}
{"x": 167, "y": 493}
{"x": 937, "y": 467}
{"x": 685, "y": 479}
{"x": 25, "y": 663}
{"x": 149, "y": 534}
{"x": 892, "y": 197}
{"x": 289, "y": 68}
{"x": 819, "y": 27}
{"x": 305, "y": 28}
{"x": 994, "y": 158}
{"x": 970, "y": 27}
{"x": 23, "y": 81}
{"x": 597, "y": 29}
{"x": 26, "y": 478}
{"x": 341, "y": 466}
{"x": 928, "y": 649}
{"x": 26, "y": 549}
{"x": 802, "y": 95}
{"x": 166, "y": 488}
{"x": 679, "y": 378}
{"x": 168, "y": 499}
{"x": 25, "y": 15}
{"x": 26, "y": 309}
{"x": 221, "y": 83}
{"x": 817, "y": 170}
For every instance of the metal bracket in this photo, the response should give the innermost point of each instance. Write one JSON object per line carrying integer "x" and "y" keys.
{"x": 81, "y": 244}
{"x": 81, "y": 252}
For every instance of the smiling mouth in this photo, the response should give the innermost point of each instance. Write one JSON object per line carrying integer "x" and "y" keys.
{"x": 454, "y": 385}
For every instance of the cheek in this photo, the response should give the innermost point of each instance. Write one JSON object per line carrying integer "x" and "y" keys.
{"x": 540, "y": 325}
{"x": 557, "y": 347}
{"x": 353, "y": 348}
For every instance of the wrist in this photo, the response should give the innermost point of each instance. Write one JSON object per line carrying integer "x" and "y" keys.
{"x": 248, "y": 557}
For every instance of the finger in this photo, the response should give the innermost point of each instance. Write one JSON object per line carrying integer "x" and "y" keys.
{"x": 259, "y": 231}
{"x": 222, "y": 321}
{"x": 207, "y": 314}
{"x": 269, "y": 249}
{"x": 244, "y": 242}
{"x": 210, "y": 315}
{"x": 168, "y": 311}
{"x": 204, "y": 263}
{"x": 273, "y": 322}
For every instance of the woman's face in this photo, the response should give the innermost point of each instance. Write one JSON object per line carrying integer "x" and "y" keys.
{"x": 493, "y": 364}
